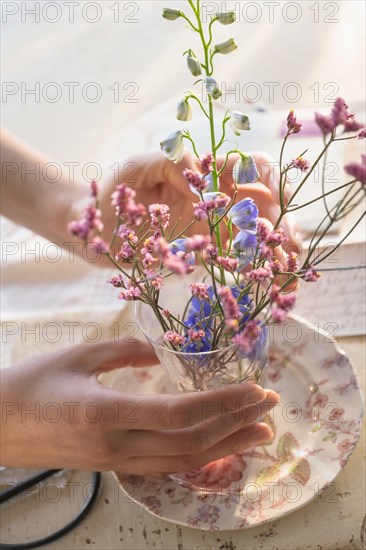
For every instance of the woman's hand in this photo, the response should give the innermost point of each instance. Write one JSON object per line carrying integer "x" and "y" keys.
{"x": 158, "y": 180}
{"x": 55, "y": 414}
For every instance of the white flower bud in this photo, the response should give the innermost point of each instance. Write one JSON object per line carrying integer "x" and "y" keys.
{"x": 238, "y": 122}
{"x": 173, "y": 147}
{"x": 184, "y": 111}
{"x": 212, "y": 87}
{"x": 171, "y": 15}
{"x": 194, "y": 65}
{"x": 226, "y": 17}
{"x": 226, "y": 47}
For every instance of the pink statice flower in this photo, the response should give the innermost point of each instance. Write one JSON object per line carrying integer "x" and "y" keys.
{"x": 230, "y": 307}
{"x": 276, "y": 266}
{"x": 197, "y": 243}
{"x": 174, "y": 338}
{"x": 125, "y": 252}
{"x": 301, "y": 163}
{"x": 246, "y": 339}
{"x": 206, "y": 164}
{"x": 135, "y": 213}
{"x": 278, "y": 315}
{"x": 125, "y": 232}
{"x": 213, "y": 202}
{"x": 90, "y": 221}
{"x": 352, "y": 125}
{"x": 199, "y": 290}
{"x": 292, "y": 262}
{"x": 157, "y": 281}
{"x": 260, "y": 274}
{"x": 196, "y": 181}
{"x": 200, "y": 211}
{"x": 358, "y": 171}
{"x": 229, "y": 264}
{"x": 132, "y": 291}
{"x": 97, "y": 244}
{"x": 123, "y": 199}
{"x": 286, "y": 301}
{"x": 262, "y": 232}
{"x": 293, "y": 126}
{"x": 117, "y": 282}
{"x": 362, "y": 134}
{"x": 340, "y": 113}
{"x": 276, "y": 238}
{"x": 325, "y": 123}
{"x": 211, "y": 252}
{"x": 94, "y": 189}
{"x": 311, "y": 276}
{"x": 149, "y": 245}
{"x": 266, "y": 251}
{"x": 196, "y": 335}
{"x": 283, "y": 303}
{"x": 160, "y": 215}
{"x": 174, "y": 259}
{"x": 148, "y": 260}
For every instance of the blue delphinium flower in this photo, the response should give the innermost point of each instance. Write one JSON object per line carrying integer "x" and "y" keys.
{"x": 245, "y": 244}
{"x": 244, "y": 214}
{"x": 197, "y": 318}
{"x": 179, "y": 245}
{"x": 245, "y": 170}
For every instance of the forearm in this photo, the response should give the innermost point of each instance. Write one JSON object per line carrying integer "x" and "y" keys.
{"x": 33, "y": 195}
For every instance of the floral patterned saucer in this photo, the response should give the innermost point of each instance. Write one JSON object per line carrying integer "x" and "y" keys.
{"x": 317, "y": 426}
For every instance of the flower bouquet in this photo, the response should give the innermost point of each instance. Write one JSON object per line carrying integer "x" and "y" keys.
{"x": 214, "y": 330}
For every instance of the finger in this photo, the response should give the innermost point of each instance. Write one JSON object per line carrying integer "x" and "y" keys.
{"x": 173, "y": 174}
{"x": 109, "y": 355}
{"x": 199, "y": 438}
{"x": 253, "y": 434}
{"x": 171, "y": 412}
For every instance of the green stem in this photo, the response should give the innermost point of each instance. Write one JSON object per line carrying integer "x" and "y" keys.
{"x": 211, "y": 116}
{"x": 188, "y": 21}
{"x": 187, "y": 136}
{"x": 227, "y": 158}
{"x": 199, "y": 103}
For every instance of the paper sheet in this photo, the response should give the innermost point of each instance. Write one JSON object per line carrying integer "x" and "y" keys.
{"x": 336, "y": 303}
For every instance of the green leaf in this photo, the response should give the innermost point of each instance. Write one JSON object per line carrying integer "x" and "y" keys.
{"x": 286, "y": 445}
{"x": 268, "y": 474}
{"x": 316, "y": 428}
{"x": 332, "y": 436}
{"x": 300, "y": 471}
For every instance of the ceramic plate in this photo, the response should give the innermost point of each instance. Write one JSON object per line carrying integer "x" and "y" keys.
{"x": 317, "y": 426}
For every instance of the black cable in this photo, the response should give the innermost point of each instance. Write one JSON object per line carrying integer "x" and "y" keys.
{"x": 24, "y": 485}
{"x": 61, "y": 532}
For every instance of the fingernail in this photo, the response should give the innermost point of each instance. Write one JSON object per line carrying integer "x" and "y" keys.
{"x": 273, "y": 396}
{"x": 255, "y": 395}
{"x": 262, "y": 436}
